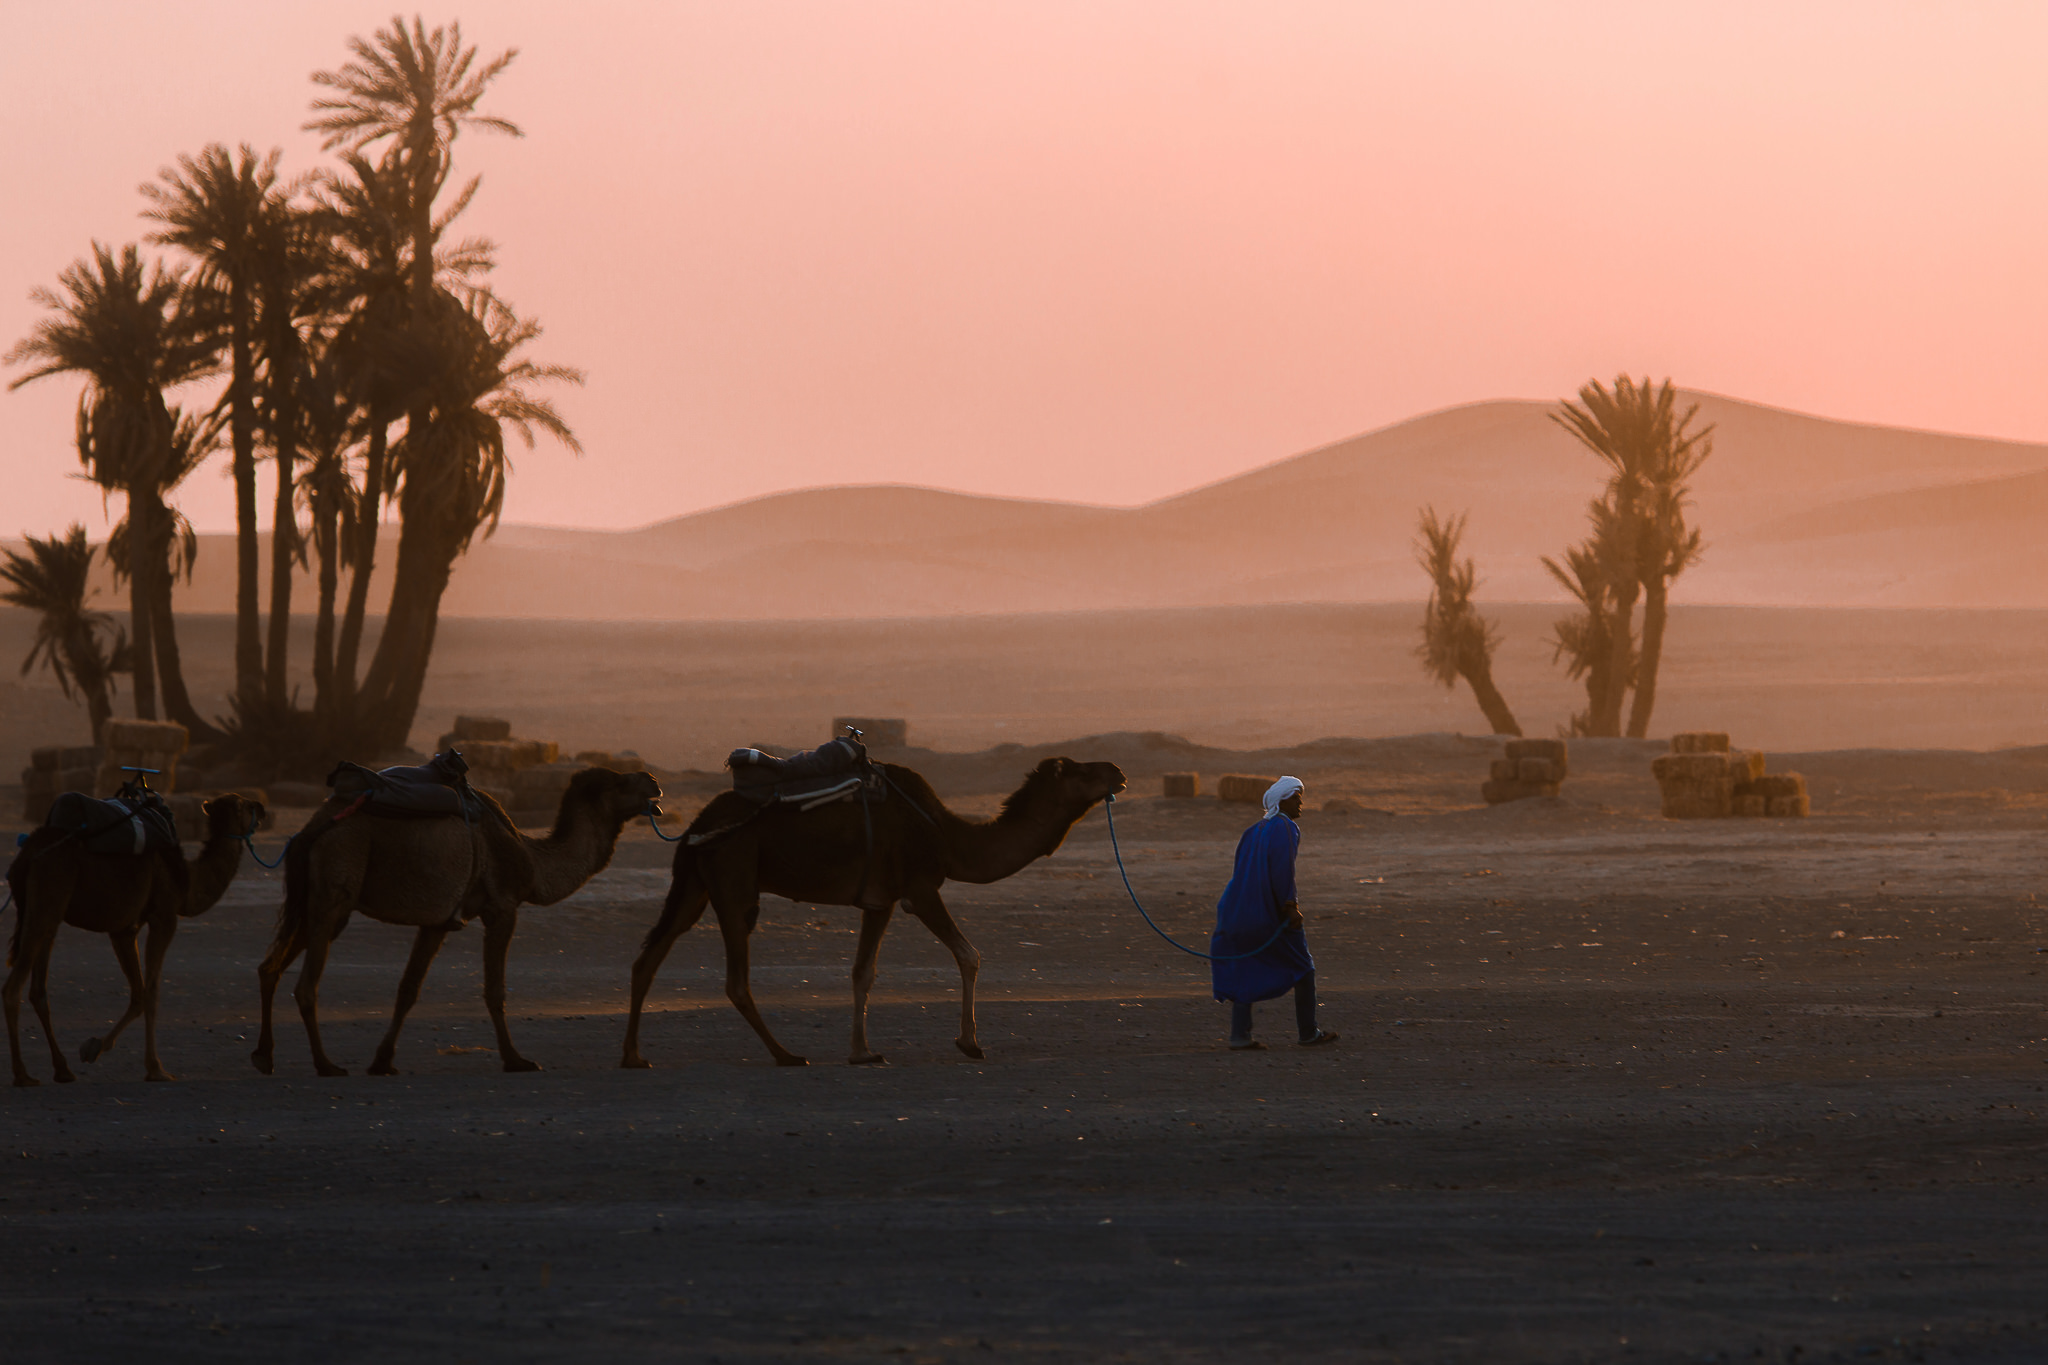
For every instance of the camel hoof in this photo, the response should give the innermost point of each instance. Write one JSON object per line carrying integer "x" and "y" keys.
{"x": 26, "y": 1081}
{"x": 971, "y": 1049}
{"x": 160, "y": 1076}
{"x": 90, "y": 1050}
{"x": 792, "y": 1060}
{"x": 65, "y": 1077}
{"x": 868, "y": 1059}
{"x": 636, "y": 1064}
{"x": 330, "y": 1069}
{"x": 382, "y": 1069}
{"x": 262, "y": 1062}
{"x": 521, "y": 1064}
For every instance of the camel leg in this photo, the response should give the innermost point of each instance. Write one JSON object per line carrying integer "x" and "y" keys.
{"x": 677, "y": 917}
{"x": 927, "y": 906}
{"x": 873, "y": 923}
{"x": 123, "y": 945}
{"x": 320, "y": 938}
{"x": 31, "y": 965}
{"x": 160, "y": 935}
{"x": 425, "y": 944}
{"x": 497, "y": 942}
{"x": 284, "y": 950}
{"x": 735, "y": 922}
{"x": 39, "y": 996}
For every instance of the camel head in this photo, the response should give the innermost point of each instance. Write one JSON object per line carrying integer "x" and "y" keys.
{"x": 1076, "y": 786}
{"x": 232, "y": 816}
{"x": 613, "y": 797}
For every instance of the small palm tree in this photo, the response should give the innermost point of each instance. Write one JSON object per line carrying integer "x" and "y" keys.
{"x": 82, "y": 647}
{"x": 1456, "y": 641}
{"x": 218, "y": 208}
{"x": 1636, "y": 429}
{"x": 130, "y": 332}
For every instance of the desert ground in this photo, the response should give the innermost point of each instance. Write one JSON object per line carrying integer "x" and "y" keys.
{"x": 1610, "y": 1087}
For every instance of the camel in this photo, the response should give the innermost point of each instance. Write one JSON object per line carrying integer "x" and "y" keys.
{"x": 822, "y": 857}
{"x": 57, "y": 882}
{"x": 432, "y": 874}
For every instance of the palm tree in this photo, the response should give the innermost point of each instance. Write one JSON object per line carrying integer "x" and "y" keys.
{"x": 81, "y": 646}
{"x": 1585, "y": 641}
{"x": 217, "y": 207}
{"x": 328, "y": 491}
{"x": 123, "y": 328}
{"x": 416, "y": 91}
{"x": 1636, "y": 430}
{"x": 174, "y": 549}
{"x": 1456, "y": 641}
{"x": 452, "y": 474}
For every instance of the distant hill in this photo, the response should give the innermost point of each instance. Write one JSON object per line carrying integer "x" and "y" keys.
{"x": 1797, "y": 510}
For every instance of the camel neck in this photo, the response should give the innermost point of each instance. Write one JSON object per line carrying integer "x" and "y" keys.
{"x": 988, "y": 851}
{"x": 577, "y": 849}
{"x": 220, "y": 858}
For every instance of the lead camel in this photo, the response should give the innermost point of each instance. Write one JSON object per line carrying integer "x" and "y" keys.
{"x": 822, "y": 856}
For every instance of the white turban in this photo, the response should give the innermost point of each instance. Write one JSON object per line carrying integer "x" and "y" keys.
{"x": 1278, "y": 792}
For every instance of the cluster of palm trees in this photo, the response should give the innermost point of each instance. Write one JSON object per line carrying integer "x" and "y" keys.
{"x": 365, "y": 357}
{"x": 1639, "y": 542}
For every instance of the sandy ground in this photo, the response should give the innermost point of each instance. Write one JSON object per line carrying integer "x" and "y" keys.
{"x": 1610, "y": 1088}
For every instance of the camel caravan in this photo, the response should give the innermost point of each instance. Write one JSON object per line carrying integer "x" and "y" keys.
{"x": 424, "y": 848}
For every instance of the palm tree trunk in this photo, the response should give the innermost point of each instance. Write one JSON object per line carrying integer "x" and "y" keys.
{"x": 1621, "y": 648}
{"x": 364, "y": 562}
{"x": 327, "y": 545}
{"x": 1655, "y": 606}
{"x": 420, "y": 575}
{"x": 242, "y": 428}
{"x": 283, "y": 533}
{"x": 142, "y": 640}
{"x": 1479, "y": 673}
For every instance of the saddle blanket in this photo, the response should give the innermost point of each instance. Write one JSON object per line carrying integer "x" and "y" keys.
{"x": 133, "y": 826}
{"x": 836, "y": 771}
{"x": 431, "y": 789}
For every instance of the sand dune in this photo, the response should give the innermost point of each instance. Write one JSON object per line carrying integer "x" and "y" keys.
{"x": 1798, "y": 511}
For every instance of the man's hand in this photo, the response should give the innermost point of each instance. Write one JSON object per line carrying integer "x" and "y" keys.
{"x": 1291, "y": 912}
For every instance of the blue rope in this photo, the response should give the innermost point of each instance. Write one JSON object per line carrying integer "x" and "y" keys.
{"x": 259, "y": 857}
{"x": 1108, "y": 809}
{"x": 666, "y": 838}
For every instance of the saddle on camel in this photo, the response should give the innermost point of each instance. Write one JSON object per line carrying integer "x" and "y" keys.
{"x": 422, "y": 849}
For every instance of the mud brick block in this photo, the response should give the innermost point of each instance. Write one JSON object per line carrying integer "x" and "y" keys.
{"x": 1556, "y": 750}
{"x": 481, "y": 728}
{"x": 1789, "y": 807}
{"x": 1243, "y": 788}
{"x": 1747, "y": 764}
{"x": 1180, "y": 784}
{"x": 1539, "y": 770}
{"x": 1749, "y": 805}
{"x": 1696, "y": 767}
{"x": 1505, "y": 770}
{"x": 1701, "y": 799}
{"x": 1780, "y": 784}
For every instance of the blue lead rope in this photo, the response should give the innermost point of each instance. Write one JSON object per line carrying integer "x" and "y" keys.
{"x": 259, "y": 857}
{"x": 1109, "y": 809}
{"x": 665, "y": 838}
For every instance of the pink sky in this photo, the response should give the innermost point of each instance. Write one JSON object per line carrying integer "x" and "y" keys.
{"x": 1105, "y": 251}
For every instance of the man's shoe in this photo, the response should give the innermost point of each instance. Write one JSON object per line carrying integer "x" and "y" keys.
{"x": 1322, "y": 1035}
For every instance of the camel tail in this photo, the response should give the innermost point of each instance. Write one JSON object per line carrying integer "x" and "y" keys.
{"x": 678, "y": 896}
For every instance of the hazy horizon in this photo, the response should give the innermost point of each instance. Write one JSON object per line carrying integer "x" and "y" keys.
{"x": 1110, "y": 253}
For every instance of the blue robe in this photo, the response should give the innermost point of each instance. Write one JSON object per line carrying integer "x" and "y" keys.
{"x": 1249, "y": 911}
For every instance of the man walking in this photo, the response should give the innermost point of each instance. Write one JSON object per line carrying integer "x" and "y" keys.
{"x": 1259, "y": 901}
